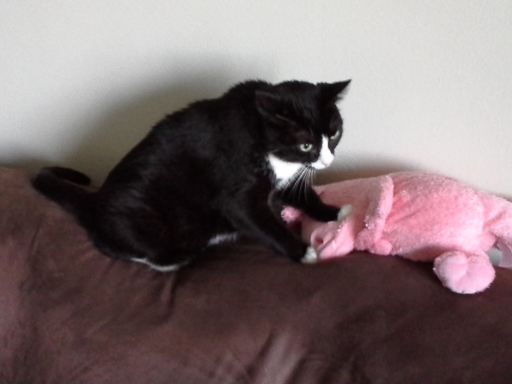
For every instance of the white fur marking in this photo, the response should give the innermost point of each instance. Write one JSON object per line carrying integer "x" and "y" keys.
{"x": 159, "y": 268}
{"x": 283, "y": 170}
{"x": 222, "y": 238}
{"x": 170, "y": 268}
{"x": 310, "y": 257}
{"x": 326, "y": 156}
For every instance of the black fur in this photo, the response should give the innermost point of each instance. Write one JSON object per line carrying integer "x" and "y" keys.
{"x": 203, "y": 171}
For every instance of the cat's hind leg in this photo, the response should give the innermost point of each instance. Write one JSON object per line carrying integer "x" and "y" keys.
{"x": 145, "y": 237}
{"x": 183, "y": 243}
{"x": 464, "y": 273}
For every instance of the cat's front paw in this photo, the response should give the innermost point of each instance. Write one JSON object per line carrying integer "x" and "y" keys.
{"x": 344, "y": 212}
{"x": 310, "y": 257}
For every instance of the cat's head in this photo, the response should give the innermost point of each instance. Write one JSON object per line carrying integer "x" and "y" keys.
{"x": 301, "y": 120}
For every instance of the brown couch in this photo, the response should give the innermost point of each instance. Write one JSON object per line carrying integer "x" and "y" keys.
{"x": 238, "y": 315}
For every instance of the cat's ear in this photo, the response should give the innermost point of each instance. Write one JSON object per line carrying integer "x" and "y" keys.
{"x": 267, "y": 103}
{"x": 330, "y": 93}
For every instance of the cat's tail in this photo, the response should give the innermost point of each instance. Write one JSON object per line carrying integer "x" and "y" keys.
{"x": 66, "y": 187}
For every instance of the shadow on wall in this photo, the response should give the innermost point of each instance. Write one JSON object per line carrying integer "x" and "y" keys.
{"x": 359, "y": 169}
{"x": 101, "y": 146}
{"x": 125, "y": 126}
{"x": 370, "y": 167}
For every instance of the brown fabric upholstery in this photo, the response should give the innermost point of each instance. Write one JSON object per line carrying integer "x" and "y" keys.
{"x": 238, "y": 315}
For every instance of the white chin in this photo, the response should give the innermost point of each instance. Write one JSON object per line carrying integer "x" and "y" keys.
{"x": 318, "y": 165}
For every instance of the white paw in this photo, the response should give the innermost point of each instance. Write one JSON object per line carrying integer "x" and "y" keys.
{"x": 310, "y": 257}
{"x": 344, "y": 212}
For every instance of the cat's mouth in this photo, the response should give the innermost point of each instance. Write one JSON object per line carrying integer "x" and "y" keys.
{"x": 322, "y": 163}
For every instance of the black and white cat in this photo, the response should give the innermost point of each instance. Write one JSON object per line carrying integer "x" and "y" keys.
{"x": 208, "y": 173}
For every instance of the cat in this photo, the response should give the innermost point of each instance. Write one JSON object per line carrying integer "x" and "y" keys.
{"x": 208, "y": 173}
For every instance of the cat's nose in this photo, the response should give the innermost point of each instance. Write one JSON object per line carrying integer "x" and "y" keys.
{"x": 326, "y": 162}
{"x": 322, "y": 163}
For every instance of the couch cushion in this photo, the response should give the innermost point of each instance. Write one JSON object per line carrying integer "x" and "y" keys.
{"x": 239, "y": 314}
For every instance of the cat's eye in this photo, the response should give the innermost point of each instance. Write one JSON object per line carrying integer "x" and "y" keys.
{"x": 307, "y": 147}
{"x": 335, "y": 136}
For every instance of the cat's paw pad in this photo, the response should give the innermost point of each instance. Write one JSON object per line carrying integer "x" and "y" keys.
{"x": 310, "y": 257}
{"x": 344, "y": 212}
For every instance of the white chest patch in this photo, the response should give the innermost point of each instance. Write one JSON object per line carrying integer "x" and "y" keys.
{"x": 283, "y": 170}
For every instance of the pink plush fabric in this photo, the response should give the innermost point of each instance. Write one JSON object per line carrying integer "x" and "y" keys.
{"x": 418, "y": 216}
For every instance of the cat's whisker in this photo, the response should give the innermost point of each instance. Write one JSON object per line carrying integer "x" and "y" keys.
{"x": 303, "y": 187}
{"x": 305, "y": 182}
{"x": 295, "y": 183}
{"x": 309, "y": 182}
{"x": 302, "y": 182}
{"x": 286, "y": 185}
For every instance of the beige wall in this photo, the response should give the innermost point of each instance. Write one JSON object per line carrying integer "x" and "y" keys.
{"x": 81, "y": 82}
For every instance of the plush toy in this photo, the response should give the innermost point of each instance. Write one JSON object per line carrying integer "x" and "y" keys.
{"x": 419, "y": 216}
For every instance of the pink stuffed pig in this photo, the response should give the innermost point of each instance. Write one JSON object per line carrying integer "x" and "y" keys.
{"x": 419, "y": 216}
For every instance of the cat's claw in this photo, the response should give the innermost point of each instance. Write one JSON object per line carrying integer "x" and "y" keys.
{"x": 310, "y": 257}
{"x": 344, "y": 212}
